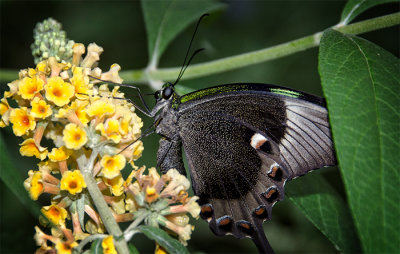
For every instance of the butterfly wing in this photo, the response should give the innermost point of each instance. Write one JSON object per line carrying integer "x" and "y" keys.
{"x": 242, "y": 143}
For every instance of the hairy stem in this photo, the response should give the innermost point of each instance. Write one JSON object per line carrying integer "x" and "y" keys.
{"x": 110, "y": 224}
{"x": 258, "y": 56}
{"x": 245, "y": 59}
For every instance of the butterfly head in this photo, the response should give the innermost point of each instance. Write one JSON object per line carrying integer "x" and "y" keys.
{"x": 165, "y": 93}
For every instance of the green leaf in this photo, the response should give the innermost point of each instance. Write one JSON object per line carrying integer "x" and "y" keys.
{"x": 353, "y": 8}
{"x": 361, "y": 82}
{"x": 163, "y": 239}
{"x": 80, "y": 207}
{"x": 323, "y": 206}
{"x": 132, "y": 249}
{"x": 11, "y": 177}
{"x": 96, "y": 247}
{"x": 165, "y": 19}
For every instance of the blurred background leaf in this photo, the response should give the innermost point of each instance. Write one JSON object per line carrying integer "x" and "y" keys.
{"x": 243, "y": 26}
{"x": 326, "y": 209}
{"x": 361, "y": 82}
{"x": 353, "y": 8}
{"x": 164, "y": 20}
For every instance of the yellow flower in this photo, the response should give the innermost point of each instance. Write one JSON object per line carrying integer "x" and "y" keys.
{"x": 80, "y": 82}
{"x": 58, "y": 91}
{"x": 160, "y": 249}
{"x": 73, "y": 182}
{"x": 137, "y": 150}
{"x": 80, "y": 110}
{"x": 29, "y": 148}
{"x": 4, "y": 112}
{"x": 115, "y": 184}
{"x": 112, "y": 165}
{"x": 151, "y": 194}
{"x": 74, "y": 136}
{"x": 22, "y": 121}
{"x": 55, "y": 214}
{"x": 40, "y": 109}
{"x": 34, "y": 184}
{"x": 59, "y": 154}
{"x": 100, "y": 108}
{"x": 110, "y": 130}
{"x": 29, "y": 87}
{"x": 65, "y": 248}
{"x": 108, "y": 245}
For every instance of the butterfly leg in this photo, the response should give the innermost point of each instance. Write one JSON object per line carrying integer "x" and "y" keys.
{"x": 169, "y": 155}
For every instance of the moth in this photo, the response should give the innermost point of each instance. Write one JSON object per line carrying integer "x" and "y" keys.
{"x": 242, "y": 142}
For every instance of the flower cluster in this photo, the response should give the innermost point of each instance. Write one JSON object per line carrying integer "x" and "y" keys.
{"x": 88, "y": 127}
{"x": 162, "y": 200}
{"x": 82, "y": 131}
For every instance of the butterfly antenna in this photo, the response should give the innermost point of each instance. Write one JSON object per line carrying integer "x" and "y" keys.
{"x": 183, "y": 68}
{"x": 187, "y": 65}
{"x": 147, "y": 109}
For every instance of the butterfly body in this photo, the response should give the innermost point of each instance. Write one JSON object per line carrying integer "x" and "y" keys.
{"x": 242, "y": 143}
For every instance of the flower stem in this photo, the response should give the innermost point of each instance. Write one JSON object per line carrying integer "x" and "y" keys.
{"x": 111, "y": 225}
{"x": 258, "y": 56}
{"x": 130, "y": 231}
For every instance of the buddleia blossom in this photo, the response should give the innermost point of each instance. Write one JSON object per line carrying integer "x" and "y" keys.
{"x": 77, "y": 128}
{"x": 51, "y": 41}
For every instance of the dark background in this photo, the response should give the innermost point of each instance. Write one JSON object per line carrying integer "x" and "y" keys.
{"x": 241, "y": 27}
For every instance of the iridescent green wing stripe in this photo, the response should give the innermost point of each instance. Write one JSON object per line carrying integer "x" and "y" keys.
{"x": 282, "y": 91}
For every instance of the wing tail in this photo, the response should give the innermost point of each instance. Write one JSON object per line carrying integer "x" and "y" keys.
{"x": 260, "y": 240}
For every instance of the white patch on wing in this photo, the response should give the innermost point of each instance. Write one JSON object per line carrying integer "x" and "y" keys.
{"x": 257, "y": 140}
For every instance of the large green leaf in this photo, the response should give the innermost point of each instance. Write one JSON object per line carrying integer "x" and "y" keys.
{"x": 166, "y": 19}
{"x": 163, "y": 239}
{"x": 353, "y": 8}
{"x": 361, "y": 82}
{"x": 323, "y": 206}
{"x": 13, "y": 180}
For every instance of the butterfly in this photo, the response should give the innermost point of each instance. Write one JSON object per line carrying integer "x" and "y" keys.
{"x": 242, "y": 142}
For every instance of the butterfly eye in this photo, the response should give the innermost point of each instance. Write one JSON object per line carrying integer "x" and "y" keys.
{"x": 157, "y": 95}
{"x": 167, "y": 92}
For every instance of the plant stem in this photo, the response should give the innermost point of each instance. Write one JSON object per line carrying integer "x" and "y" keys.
{"x": 258, "y": 56}
{"x": 111, "y": 225}
{"x": 246, "y": 59}
{"x": 130, "y": 231}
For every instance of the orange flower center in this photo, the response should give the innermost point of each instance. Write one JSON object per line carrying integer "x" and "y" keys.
{"x": 55, "y": 212}
{"x": 57, "y": 92}
{"x": 42, "y": 109}
{"x": 32, "y": 90}
{"x": 25, "y": 120}
{"x": 77, "y": 137}
{"x": 67, "y": 246}
{"x": 72, "y": 185}
{"x": 110, "y": 163}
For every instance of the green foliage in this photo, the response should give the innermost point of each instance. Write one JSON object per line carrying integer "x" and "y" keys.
{"x": 11, "y": 177}
{"x": 162, "y": 238}
{"x": 326, "y": 209}
{"x": 361, "y": 82}
{"x": 354, "y": 8}
{"x": 166, "y": 19}
{"x": 132, "y": 249}
{"x": 96, "y": 247}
